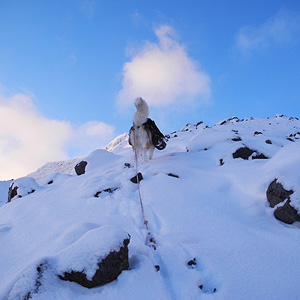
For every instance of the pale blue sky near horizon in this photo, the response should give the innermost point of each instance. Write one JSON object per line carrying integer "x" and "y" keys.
{"x": 83, "y": 61}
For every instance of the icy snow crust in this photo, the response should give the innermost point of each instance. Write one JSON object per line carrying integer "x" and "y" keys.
{"x": 216, "y": 214}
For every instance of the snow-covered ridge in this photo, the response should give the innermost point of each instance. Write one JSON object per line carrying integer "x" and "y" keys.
{"x": 215, "y": 231}
{"x": 279, "y": 129}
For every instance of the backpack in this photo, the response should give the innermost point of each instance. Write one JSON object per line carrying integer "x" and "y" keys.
{"x": 158, "y": 139}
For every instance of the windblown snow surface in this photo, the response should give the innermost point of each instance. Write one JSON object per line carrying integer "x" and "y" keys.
{"x": 214, "y": 210}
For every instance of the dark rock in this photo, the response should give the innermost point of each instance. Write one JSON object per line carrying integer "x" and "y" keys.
{"x": 230, "y": 119}
{"x": 246, "y": 152}
{"x": 221, "y": 162}
{"x": 50, "y": 182}
{"x": 12, "y": 192}
{"x": 80, "y": 167}
{"x": 257, "y": 132}
{"x": 127, "y": 165}
{"x": 108, "y": 269}
{"x": 288, "y": 138}
{"x": 276, "y": 193}
{"x": 236, "y": 139}
{"x": 269, "y": 142}
{"x": 259, "y": 156}
{"x": 173, "y": 175}
{"x": 205, "y": 289}
{"x": 157, "y": 267}
{"x": 287, "y": 213}
{"x": 243, "y": 153}
{"x": 97, "y": 194}
{"x": 137, "y": 178}
{"x": 109, "y": 190}
{"x": 192, "y": 262}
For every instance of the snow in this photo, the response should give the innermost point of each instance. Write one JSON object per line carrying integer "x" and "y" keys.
{"x": 4, "y": 186}
{"x": 215, "y": 213}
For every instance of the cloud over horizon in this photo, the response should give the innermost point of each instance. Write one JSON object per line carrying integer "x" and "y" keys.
{"x": 162, "y": 73}
{"x": 28, "y": 140}
{"x": 284, "y": 27}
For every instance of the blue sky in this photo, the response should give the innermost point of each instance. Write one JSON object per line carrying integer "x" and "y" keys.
{"x": 70, "y": 70}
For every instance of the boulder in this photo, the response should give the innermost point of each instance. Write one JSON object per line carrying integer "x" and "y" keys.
{"x": 12, "y": 192}
{"x": 259, "y": 156}
{"x": 276, "y": 193}
{"x": 109, "y": 268}
{"x": 245, "y": 153}
{"x": 236, "y": 139}
{"x": 287, "y": 213}
{"x": 137, "y": 178}
{"x": 80, "y": 167}
{"x": 22, "y": 187}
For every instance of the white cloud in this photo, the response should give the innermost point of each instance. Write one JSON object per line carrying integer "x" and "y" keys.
{"x": 28, "y": 139}
{"x": 163, "y": 73}
{"x": 90, "y": 136}
{"x": 284, "y": 27}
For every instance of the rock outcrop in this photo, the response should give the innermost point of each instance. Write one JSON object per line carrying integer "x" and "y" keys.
{"x": 108, "y": 270}
{"x": 80, "y": 167}
{"x": 245, "y": 153}
{"x": 277, "y": 194}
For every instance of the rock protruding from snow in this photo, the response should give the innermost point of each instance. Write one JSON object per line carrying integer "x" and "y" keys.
{"x": 12, "y": 192}
{"x": 109, "y": 268}
{"x": 22, "y": 187}
{"x": 245, "y": 153}
{"x": 276, "y": 193}
{"x": 137, "y": 178}
{"x": 80, "y": 167}
{"x": 287, "y": 213}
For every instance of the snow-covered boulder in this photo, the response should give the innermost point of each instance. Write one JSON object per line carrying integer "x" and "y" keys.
{"x": 100, "y": 159}
{"x": 283, "y": 192}
{"x": 108, "y": 268}
{"x": 22, "y": 187}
